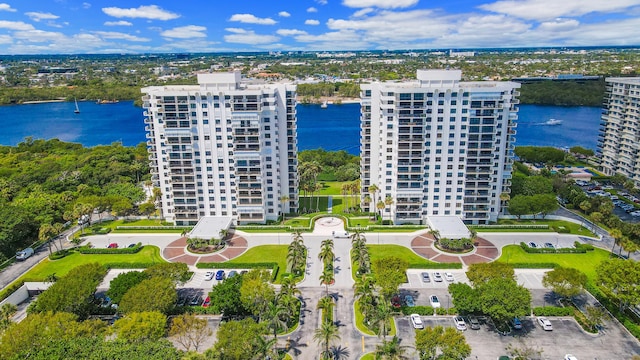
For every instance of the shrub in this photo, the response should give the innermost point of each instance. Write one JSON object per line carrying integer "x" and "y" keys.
{"x": 11, "y": 289}
{"x": 441, "y": 311}
{"x": 452, "y": 311}
{"x": 126, "y": 265}
{"x": 561, "y": 229}
{"x": 420, "y": 310}
{"x": 59, "y": 254}
{"x": 534, "y": 265}
{"x": 89, "y": 250}
{"x": 531, "y": 250}
{"x": 552, "y": 311}
{"x": 237, "y": 265}
{"x": 585, "y": 247}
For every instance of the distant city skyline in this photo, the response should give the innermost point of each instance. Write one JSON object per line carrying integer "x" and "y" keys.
{"x": 119, "y": 26}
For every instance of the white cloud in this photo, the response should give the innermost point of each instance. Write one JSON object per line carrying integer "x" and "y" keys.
{"x": 6, "y": 39}
{"x": 242, "y": 36}
{"x": 559, "y": 25}
{"x": 384, "y": 4}
{"x": 37, "y": 16}
{"x": 312, "y": 22}
{"x": 284, "y": 14}
{"x": 6, "y": 7}
{"x": 152, "y": 12}
{"x": 185, "y": 32}
{"x": 117, "y": 23}
{"x": 551, "y": 9}
{"x": 322, "y": 2}
{"x": 120, "y": 36}
{"x": 39, "y": 36}
{"x": 251, "y": 19}
{"x": 362, "y": 12}
{"x": 312, "y": 10}
{"x": 86, "y": 5}
{"x": 15, "y": 25}
{"x": 290, "y": 32}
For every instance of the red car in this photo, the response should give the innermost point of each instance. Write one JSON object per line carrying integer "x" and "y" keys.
{"x": 396, "y": 302}
{"x": 206, "y": 302}
{"x": 112, "y": 246}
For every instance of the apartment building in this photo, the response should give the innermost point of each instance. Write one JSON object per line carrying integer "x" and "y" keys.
{"x": 618, "y": 147}
{"x": 224, "y": 147}
{"x": 437, "y": 146}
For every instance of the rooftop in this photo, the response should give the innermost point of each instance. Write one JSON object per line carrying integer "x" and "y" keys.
{"x": 450, "y": 227}
{"x": 210, "y": 226}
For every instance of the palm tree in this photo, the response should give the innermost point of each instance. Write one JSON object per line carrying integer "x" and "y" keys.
{"x": 326, "y": 252}
{"x": 388, "y": 201}
{"x": 296, "y": 256}
{"x": 324, "y": 335}
{"x": 275, "y": 313}
{"x": 318, "y": 187}
{"x": 366, "y": 201}
{"x": 284, "y": 199}
{"x": 44, "y": 234}
{"x": 363, "y": 287}
{"x": 380, "y": 206}
{"x": 355, "y": 190}
{"x": 344, "y": 190}
{"x": 326, "y": 278}
{"x": 338, "y": 353}
{"x": 616, "y": 234}
{"x": 383, "y": 315}
{"x": 264, "y": 346}
{"x": 58, "y": 229}
{"x": 391, "y": 350}
{"x": 435, "y": 233}
{"x": 361, "y": 256}
{"x": 373, "y": 189}
{"x": 6, "y": 312}
{"x": 326, "y": 305}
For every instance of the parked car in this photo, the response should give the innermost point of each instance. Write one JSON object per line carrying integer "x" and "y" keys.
{"x": 131, "y": 246}
{"x": 208, "y": 276}
{"x": 516, "y": 323}
{"x": 206, "y": 302}
{"x": 437, "y": 277}
{"x": 416, "y": 321}
{"x": 532, "y": 245}
{"x": 474, "y": 324}
{"x": 545, "y": 323}
{"x": 549, "y": 246}
{"x": 635, "y": 213}
{"x": 435, "y": 302}
{"x": 196, "y": 300}
{"x": 24, "y": 254}
{"x": 408, "y": 301}
{"x": 449, "y": 277}
{"x": 112, "y": 246}
{"x": 570, "y": 357}
{"x": 460, "y": 324}
{"x": 243, "y": 272}
{"x": 425, "y": 277}
{"x": 396, "y": 302}
{"x": 220, "y": 275}
{"x": 232, "y": 273}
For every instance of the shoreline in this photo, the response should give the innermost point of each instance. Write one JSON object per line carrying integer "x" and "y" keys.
{"x": 41, "y": 102}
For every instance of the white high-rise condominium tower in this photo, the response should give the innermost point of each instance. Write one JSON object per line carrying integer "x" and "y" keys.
{"x": 618, "y": 147}
{"x": 437, "y": 146}
{"x": 225, "y": 147}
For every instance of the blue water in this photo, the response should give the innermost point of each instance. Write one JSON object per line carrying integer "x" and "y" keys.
{"x": 334, "y": 128}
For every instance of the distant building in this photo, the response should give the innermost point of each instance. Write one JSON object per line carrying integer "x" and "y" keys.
{"x": 225, "y": 147}
{"x": 437, "y": 146}
{"x": 618, "y": 147}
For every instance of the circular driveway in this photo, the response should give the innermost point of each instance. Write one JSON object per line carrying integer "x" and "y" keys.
{"x": 484, "y": 251}
{"x": 176, "y": 251}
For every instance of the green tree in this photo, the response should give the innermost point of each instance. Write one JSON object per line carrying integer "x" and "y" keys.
{"x": 226, "y": 298}
{"x": 483, "y": 272}
{"x": 256, "y": 292}
{"x": 544, "y": 204}
{"x": 391, "y": 350}
{"x": 178, "y": 273}
{"x": 621, "y": 278}
{"x": 389, "y": 273}
{"x": 520, "y": 205}
{"x": 448, "y": 341}
{"x": 154, "y": 294}
{"x": 190, "y": 331}
{"x": 231, "y": 346}
{"x": 141, "y": 326}
{"x": 123, "y": 282}
{"x": 503, "y": 299}
{"x": 465, "y": 298}
{"x": 566, "y": 282}
{"x": 6, "y": 312}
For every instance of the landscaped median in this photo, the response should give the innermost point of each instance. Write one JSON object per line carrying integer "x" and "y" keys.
{"x": 363, "y": 328}
{"x": 257, "y": 258}
{"x": 540, "y": 225}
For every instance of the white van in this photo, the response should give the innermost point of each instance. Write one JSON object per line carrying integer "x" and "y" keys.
{"x": 24, "y": 254}
{"x": 340, "y": 234}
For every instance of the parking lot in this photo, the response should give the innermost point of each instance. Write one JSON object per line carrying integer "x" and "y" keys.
{"x": 197, "y": 281}
{"x": 566, "y": 337}
{"x": 529, "y": 278}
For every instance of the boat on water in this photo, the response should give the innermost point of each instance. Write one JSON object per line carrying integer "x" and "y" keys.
{"x": 77, "y": 110}
{"x": 553, "y": 122}
{"x": 324, "y": 105}
{"x": 102, "y": 101}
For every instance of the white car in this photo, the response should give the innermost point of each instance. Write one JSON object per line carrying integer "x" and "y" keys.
{"x": 208, "y": 276}
{"x": 435, "y": 302}
{"x": 437, "y": 277}
{"x": 449, "y": 277}
{"x": 416, "y": 321}
{"x": 545, "y": 323}
{"x": 460, "y": 324}
{"x": 570, "y": 357}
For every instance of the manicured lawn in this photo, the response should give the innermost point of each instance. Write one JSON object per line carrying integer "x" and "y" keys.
{"x": 586, "y": 263}
{"x": 265, "y": 253}
{"x": 62, "y": 266}
{"x": 574, "y": 228}
{"x": 331, "y": 187}
{"x": 368, "y": 356}
{"x": 382, "y": 251}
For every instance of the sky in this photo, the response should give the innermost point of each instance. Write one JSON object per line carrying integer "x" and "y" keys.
{"x": 161, "y": 26}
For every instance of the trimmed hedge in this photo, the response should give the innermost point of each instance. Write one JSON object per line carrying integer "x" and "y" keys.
{"x": 633, "y": 328}
{"x": 552, "y": 311}
{"x": 132, "y": 227}
{"x": 59, "y": 254}
{"x": 435, "y": 266}
{"x": 534, "y": 265}
{"x": 420, "y": 310}
{"x": 441, "y": 311}
{"x": 89, "y": 250}
{"x": 125, "y": 265}
{"x": 510, "y": 226}
{"x": 586, "y": 247}
{"x": 11, "y": 289}
{"x": 531, "y": 250}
